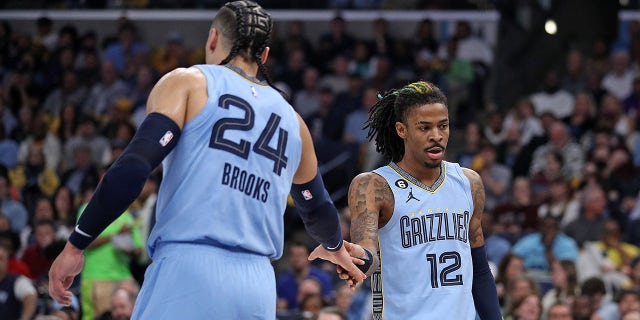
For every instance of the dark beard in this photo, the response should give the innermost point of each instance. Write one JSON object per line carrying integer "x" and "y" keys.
{"x": 432, "y": 166}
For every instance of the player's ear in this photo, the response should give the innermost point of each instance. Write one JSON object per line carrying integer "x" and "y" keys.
{"x": 212, "y": 41}
{"x": 401, "y": 129}
{"x": 265, "y": 54}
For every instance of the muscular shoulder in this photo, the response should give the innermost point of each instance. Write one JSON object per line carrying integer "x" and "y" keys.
{"x": 186, "y": 77}
{"x": 370, "y": 191}
{"x": 180, "y": 79}
{"x": 474, "y": 178}
{"x": 369, "y": 181}
{"x": 172, "y": 93}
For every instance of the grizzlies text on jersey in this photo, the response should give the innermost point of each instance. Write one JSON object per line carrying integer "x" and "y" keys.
{"x": 430, "y": 271}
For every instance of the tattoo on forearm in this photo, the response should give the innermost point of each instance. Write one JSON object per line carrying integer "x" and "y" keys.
{"x": 476, "y": 238}
{"x": 365, "y": 226}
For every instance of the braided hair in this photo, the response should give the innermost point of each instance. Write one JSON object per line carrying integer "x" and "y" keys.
{"x": 393, "y": 106}
{"x": 247, "y": 28}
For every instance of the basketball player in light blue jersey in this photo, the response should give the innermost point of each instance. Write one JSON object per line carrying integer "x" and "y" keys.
{"x": 418, "y": 218}
{"x": 232, "y": 150}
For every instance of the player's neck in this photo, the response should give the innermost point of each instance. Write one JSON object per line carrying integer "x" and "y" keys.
{"x": 250, "y": 68}
{"x": 426, "y": 175}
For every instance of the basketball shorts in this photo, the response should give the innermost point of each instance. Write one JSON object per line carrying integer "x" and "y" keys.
{"x": 197, "y": 281}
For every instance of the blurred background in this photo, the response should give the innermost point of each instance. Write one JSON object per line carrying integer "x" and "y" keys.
{"x": 543, "y": 97}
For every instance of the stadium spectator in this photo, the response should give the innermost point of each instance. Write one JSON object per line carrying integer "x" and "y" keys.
{"x": 559, "y": 141}
{"x": 539, "y": 249}
{"x": 307, "y": 100}
{"x": 288, "y": 283}
{"x": 560, "y": 311}
{"x": 565, "y": 286}
{"x": 13, "y": 210}
{"x": 34, "y": 178}
{"x": 560, "y": 203}
{"x": 517, "y": 216}
{"x": 582, "y": 119}
{"x": 589, "y": 224}
{"x": 40, "y": 135}
{"x": 495, "y": 176}
{"x": 552, "y": 98}
{"x": 497, "y": 246}
{"x": 103, "y": 93}
{"x": 573, "y": 78}
{"x": 619, "y": 80}
{"x": 18, "y": 294}
{"x": 609, "y": 258}
{"x": 526, "y": 308}
{"x": 34, "y": 256}
{"x": 511, "y": 267}
{"x": 122, "y": 52}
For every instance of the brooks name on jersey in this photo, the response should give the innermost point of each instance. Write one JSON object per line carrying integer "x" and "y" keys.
{"x": 247, "y": 183}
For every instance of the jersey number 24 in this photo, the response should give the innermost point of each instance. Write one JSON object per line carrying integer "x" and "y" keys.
{"x": 241, "y": 148}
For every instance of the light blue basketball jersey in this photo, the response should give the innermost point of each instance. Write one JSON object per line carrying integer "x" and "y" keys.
{"x": 426, "y": 269}
{"x": 226, "y": 182}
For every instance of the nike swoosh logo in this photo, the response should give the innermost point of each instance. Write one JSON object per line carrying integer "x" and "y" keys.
{"x": 329, "y": 248}
{"x": 82, "y": 232}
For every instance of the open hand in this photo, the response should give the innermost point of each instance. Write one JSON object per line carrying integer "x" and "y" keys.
{"x": 354, "y": 251}
{"x": 65, "y": 267}
{"x": 343, "y": 260}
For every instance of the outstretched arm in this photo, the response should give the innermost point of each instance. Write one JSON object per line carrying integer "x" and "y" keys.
{"x": 371, "y": 204}
{"x": 320, "y": 216}
{"x": 369, "y": 196}
{"x": 485, "y": 296}
{"x": 123, "y": 182}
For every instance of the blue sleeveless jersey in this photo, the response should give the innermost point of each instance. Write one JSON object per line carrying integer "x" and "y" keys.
{"x": 226, "y": 182}
{"x": 426, "y": 269}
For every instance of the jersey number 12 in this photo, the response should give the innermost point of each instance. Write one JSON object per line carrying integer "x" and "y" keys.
{"x": 443, "y": 277}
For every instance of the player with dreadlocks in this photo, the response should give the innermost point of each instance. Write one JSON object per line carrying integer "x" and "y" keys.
{"x": 416, "y": 221}
{"x": 231, "y": 149}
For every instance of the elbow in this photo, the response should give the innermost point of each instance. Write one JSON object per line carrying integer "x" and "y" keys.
{"x": 126, "y": 178}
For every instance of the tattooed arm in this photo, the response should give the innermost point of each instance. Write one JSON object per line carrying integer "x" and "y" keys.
{"x": 485, "y": 296}
{"x": 371, "y": 205}
{"x": 476, "y": 238}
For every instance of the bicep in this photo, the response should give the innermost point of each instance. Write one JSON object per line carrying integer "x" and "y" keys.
{"x": 308, "y": 167}
{"x": 365, "y": 210}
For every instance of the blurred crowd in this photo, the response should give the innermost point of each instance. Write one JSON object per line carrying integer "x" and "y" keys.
{"x": 273, "y": 4}
{"x": 560, "y": 167}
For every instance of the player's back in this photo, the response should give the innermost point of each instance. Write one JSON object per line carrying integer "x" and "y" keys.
{"x": 226, "y": 182}
{"x": 426, "y": 267}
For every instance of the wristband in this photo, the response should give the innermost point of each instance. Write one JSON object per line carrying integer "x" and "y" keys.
{"x": 368, "y": 260}
{"x": 318, "y": 213}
